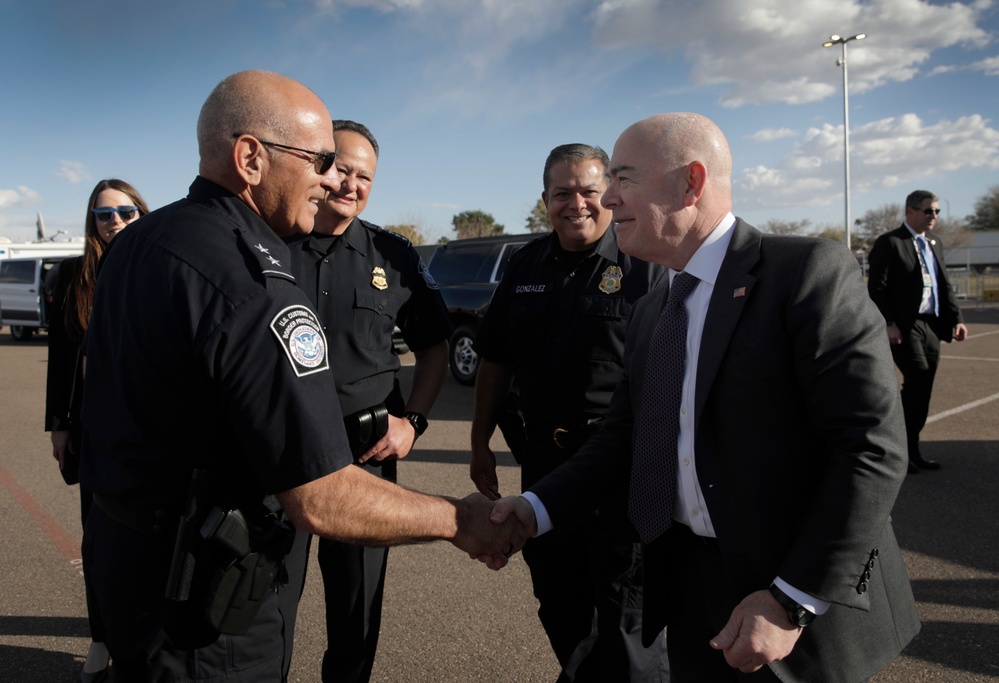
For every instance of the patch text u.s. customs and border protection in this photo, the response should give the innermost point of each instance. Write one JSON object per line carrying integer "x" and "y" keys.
{"x": 301, "y": 336}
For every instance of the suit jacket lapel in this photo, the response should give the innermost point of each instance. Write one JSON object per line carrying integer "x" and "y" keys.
{"x": 732, "y": 290}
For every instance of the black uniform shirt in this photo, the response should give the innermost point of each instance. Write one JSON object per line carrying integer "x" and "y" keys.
{"x": 203, "y": 352}
{"x": 363, "y": 284}
{"x": 560, "y": 323}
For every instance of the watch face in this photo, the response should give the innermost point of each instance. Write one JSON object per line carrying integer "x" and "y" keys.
{"x": 418, "y": 421}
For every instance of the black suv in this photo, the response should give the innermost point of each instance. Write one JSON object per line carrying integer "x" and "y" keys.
{"x": 467, "y": 272}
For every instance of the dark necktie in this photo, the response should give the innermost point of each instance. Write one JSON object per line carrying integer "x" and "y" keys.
{"x": 657, "y": 427}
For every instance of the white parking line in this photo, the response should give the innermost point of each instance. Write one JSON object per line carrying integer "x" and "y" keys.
{"x": 981, "y": 334}
{"x": 987, "y": 360}
{"x": 961, "y": 409}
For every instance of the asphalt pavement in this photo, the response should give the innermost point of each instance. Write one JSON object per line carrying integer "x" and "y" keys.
{"x": 448, "y": 618}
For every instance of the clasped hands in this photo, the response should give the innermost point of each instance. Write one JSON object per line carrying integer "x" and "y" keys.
{"x": 493, "y": 531}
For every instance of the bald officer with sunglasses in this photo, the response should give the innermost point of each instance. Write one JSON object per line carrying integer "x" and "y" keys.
{"x": 208, "y": 371}
{"x": 908, "y": 283}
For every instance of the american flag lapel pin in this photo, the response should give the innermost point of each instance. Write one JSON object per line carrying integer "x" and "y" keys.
{"x": 738, "y": 292}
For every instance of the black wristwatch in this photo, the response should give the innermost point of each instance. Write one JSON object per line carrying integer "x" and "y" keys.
{"x": 418, "y": 421}
{"x": 798, "y": 615}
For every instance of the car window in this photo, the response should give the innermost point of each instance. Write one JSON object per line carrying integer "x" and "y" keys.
{"x": 508, "y": 251}
{"x": 17, "y": 272}
{"x": 455, "y": 266}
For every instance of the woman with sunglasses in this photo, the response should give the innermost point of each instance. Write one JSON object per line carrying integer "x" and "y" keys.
{"x": 113, "y": 205}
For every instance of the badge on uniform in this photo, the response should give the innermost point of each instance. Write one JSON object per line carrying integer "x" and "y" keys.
{"x": 302, "y": 338}
{"x": 610, "y": 280}
{"x": 378, "y": 279}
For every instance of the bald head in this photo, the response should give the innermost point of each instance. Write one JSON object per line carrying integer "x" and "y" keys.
{"x": 671, "y": 186}
{"x": 268, "y": 140}
{"x": 261, "y": 103}
{"x": 682, "y": 138}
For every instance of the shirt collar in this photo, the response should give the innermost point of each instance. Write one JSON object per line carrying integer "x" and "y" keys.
{"x": 707, "y": 260}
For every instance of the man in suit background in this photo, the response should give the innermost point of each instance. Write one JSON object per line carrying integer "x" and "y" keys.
{"x": 908, "y": 282}
{"x": 778, "y": 557}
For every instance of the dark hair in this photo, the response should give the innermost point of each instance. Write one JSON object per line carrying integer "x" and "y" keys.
{"x": 918, "y": 197}
{"x": 575, "y": 152}
{"x": 93, "y": 250}
{"x": 359, "y": 128}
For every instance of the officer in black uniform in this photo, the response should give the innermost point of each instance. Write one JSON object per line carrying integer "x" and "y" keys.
{"x": 204, "y": 354}
{"x": 555, "y": 329}
{"x": 363, "y": 282}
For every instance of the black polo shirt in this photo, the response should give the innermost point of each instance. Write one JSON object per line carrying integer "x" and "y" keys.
{"x": 560, "y": 322}
{"x": 363, "y": 284}
{"x": 203, "y": 352}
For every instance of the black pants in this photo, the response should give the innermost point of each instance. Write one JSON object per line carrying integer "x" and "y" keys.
{"x": 353, "y": 586}
{"x": 588, "y": 582}
{"x": 127, "y": 573}
{"x": 701, "y": 599}
{"x": 917, "y": 357}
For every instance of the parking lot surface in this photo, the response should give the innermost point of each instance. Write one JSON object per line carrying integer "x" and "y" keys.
{"x": 448, "y": 618}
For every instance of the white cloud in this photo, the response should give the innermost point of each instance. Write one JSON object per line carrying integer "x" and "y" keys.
{"x": 770, "y": 51}
{"x": 22, "y": 196}
{"x": 771, "y": 134}
{"x": 883, "y": 154}
{"x": 990, "y": 66}
{"x": 72, "y": 171}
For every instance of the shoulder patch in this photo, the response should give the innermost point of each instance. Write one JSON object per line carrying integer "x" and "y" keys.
{"x": 427, "y": 277}
{"x": 301, "y": 336}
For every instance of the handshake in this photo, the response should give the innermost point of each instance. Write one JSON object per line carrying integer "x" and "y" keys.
{"x": 491, "y": 531}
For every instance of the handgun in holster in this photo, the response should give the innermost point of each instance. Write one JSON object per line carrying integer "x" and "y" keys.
{"x": 223, "y": 568}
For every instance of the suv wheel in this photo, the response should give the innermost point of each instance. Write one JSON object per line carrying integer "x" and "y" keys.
{"x": 21, "y": 333}
{"x": 464, "y": 361}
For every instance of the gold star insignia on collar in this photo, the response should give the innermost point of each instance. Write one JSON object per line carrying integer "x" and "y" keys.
{"x": 262, "y": 248}
{"x": 274, "y": 260}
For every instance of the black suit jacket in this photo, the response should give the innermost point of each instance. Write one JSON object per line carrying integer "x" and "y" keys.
{"x": 800, "y": 448}
{"x": 895, "y": 283}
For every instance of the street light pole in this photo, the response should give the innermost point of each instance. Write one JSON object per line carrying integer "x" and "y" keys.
{"x": 839, "y": 40}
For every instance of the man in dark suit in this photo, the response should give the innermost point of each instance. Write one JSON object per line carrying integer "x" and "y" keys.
{"x": 908, "y": 282}
{"x": 767, "y": 531}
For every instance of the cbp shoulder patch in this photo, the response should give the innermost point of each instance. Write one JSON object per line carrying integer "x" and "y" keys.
{"x": 301, "y": 336}
{"x": 427, "y": 277}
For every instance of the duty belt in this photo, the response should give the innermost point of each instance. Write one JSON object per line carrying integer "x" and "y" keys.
{"x": 566, "y": 436}
{"x": 146, "y": 521}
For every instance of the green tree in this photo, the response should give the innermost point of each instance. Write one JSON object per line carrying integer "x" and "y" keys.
{"x": 409, "y": 231}
{"x": 779, "y": 227}
{"x": 475, "y": 224}
{"x": 875, "y": 222}
{"x": 986, "y": 216}
{"x": 828, "y": 231}
{"x": 537, "y": 220}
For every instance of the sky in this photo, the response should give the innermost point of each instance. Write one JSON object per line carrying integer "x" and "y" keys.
{"x": 467, "y": 97}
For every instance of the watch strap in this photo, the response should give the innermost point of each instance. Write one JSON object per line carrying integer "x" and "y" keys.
{"x": 798, "y": 616}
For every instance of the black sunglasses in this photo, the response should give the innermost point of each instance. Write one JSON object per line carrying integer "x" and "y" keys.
{"x": 931, "y": 212}
{"x": 106, "y": 213}
{"x": 323, "y": 161}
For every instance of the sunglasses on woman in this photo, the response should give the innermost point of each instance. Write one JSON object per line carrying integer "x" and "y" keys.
{"x": 106, "y": 213}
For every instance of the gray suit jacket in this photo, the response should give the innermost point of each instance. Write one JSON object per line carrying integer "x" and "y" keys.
{"x": 800, "y": 448}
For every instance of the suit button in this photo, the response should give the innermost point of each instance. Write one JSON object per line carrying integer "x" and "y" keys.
{"x": 862, "y": 587}
{"x": 867, "y": 576}
{"x": 870, "y": 564}
{"x": 874, "y": 553}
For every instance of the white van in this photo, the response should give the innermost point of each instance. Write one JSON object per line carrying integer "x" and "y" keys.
{"x": 23, "y": 301}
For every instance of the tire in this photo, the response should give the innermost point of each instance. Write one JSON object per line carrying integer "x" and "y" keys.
{"x": 21, "y": 333}
{"x": 464, "y": 361}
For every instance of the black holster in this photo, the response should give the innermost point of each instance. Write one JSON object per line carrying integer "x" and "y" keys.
{"x": 365, "y": 427}
{"x": 224, "y": 566}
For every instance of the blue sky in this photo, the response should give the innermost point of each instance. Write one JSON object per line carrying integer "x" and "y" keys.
{"x": 466, "y": 98}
